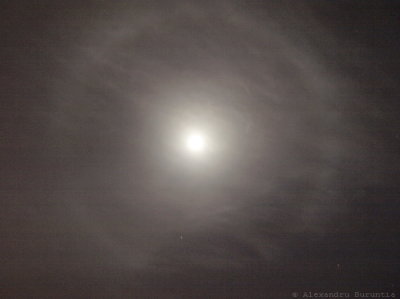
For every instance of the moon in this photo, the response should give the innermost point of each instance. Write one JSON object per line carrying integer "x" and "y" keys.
{"x": 196, "y": 143}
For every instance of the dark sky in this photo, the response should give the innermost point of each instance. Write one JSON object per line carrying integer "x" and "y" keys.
{"x": 300, "y": 100}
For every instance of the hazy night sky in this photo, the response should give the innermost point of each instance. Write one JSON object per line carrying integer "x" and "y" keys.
{"x": 297, "y": 187}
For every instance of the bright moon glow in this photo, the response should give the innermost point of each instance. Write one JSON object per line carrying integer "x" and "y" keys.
{"x": 195, "y": 143}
